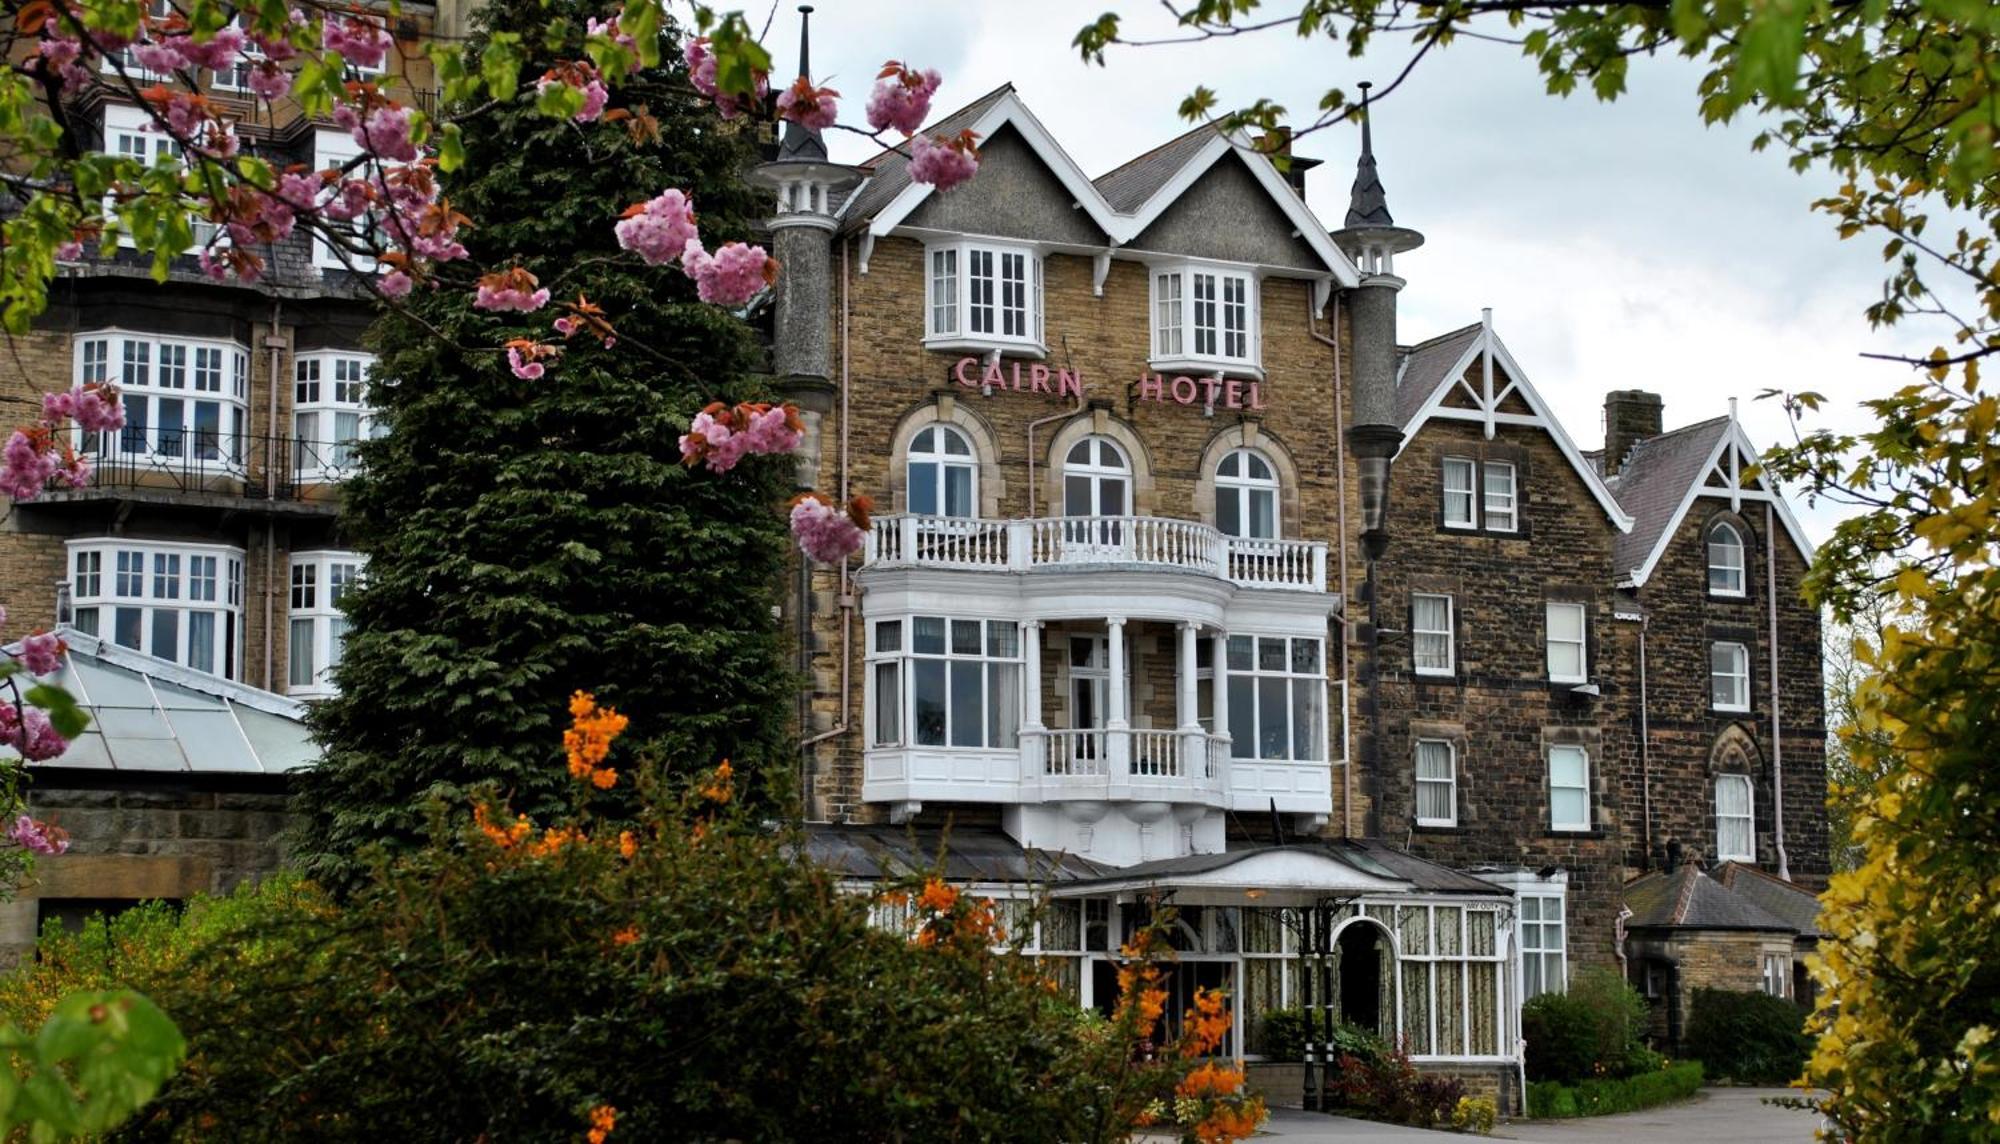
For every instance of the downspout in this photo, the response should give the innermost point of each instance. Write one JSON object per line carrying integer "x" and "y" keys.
{"x": 1777, "y": 743}
{"x": 1645, "y": 750}
{"x": 275, "y": 347}
{"x": 846, "y": 593}
{"x": 1062, "y": 415}
{"x": 1346, "y": 601}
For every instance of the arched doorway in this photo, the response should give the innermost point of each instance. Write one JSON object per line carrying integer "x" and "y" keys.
{"x": 1364, "y": 976}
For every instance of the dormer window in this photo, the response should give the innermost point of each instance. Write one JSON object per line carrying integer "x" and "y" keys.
{"x": 1204, "y": 319}
{"x": 982, "y": 296}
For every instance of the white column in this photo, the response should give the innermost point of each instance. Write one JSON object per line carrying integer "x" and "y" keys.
{"x": 1031, "y": 673}
{"x": 1189, "y": 710}
{"x": 1219, "y": 656}
{"x": 1114, "y": 705}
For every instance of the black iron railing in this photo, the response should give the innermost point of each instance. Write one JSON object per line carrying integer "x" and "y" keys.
{"x": 207, "y": 460}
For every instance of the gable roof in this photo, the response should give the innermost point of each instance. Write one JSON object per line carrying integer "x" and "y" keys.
{"x": 1662, "y": 477}
{"x": 1433, "y": 369}
{"x": 1123, "y": 203}
{"x": 1789, "y": 902}
{"x": 1690, "y": 899}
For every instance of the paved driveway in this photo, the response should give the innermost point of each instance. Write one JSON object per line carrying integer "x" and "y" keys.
{"x": 1717, "y": 1115}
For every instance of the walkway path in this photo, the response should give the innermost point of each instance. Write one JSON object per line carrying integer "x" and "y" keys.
{"x": 1732, "y": 1115}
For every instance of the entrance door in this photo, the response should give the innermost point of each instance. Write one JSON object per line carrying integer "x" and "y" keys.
{"x": 1362, "y": 967}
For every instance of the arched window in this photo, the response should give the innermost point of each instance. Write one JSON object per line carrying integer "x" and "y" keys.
{"x": 1097, "y": 480}
{"x": 1726, "y": 573}
{"x": 943, "y": 476}
{"x": 1735, "y": 836}
{"x": 1246, "y": 496}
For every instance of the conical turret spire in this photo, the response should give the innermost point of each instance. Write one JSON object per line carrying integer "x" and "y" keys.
{"x": 802, "y": 143}
{"x": 1368, "y": 204}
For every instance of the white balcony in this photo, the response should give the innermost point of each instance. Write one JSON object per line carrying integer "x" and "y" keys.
{"x": 1078, "y": 543}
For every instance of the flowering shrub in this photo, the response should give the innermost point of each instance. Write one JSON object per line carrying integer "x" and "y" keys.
{"x": 1392, "y": 1089}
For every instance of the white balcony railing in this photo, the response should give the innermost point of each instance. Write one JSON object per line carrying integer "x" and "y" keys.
{"x": 1096, "y": 752}
{"x": 1079, "y": 542}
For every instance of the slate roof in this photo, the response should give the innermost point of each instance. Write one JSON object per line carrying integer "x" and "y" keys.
{"x": 971, "y": 854}
{"x": 889, "y": 173}
{"x": 1654, "y": 480}
{"x": 1369, "y": 856}
{"x": 1128, "y": 186}
{"x": 1425, "y": 366}
{"x": 1789, "y": 902}
{"x": 1690, "y": 899}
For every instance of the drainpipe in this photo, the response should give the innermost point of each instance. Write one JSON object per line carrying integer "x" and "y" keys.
{"x": 846, "y": 593}
{"x": 1777, "y": 743}
{"x": 1645, "y": 749}
{"x": 274, "y": 345}
{"x": 1062, "y": 415}
{"x": 1346, "y": 601}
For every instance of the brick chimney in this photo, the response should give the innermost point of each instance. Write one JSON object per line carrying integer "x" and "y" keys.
{"x": 1630, "y": 416}
{"x": 1278, "y": 144}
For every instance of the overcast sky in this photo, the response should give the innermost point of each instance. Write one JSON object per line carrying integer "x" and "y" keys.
{"x": 1620, "y": 246}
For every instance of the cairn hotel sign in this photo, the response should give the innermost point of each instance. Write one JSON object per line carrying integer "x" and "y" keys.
{"x": 1208, "y": 392}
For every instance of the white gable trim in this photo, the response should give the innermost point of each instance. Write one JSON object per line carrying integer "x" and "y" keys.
{"x": 1280, "y": 870}
{"x": 1006, "y": 111}
{"x": 1488, "y": 414}
{"x": 1726, "y": 459}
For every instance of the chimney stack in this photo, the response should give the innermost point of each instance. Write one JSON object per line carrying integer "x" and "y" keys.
{"x": 1630, "y": 416}
{"x": 1278, "y": 145}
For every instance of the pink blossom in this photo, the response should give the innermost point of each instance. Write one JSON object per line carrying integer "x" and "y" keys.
{"x": 268, "y": 81}
{"x": 28, "y": 731}
{"x": 512, "y": 289}
{"x": 359, "y": 40}
{"x": 711, "y": 440}
{"x": 73, "y": 471}
{"x": 824, "y": 533}
{"x": 942, "y": 163}
{"x": 608, "y": 28}
{"x": 701, "y": 75}
{"x": 299, "y": 191}
{"x": 594, "y": 98}
{"x": 69, "y": 251}
{"x": 721, "y": 435}
{"x": 809, "y": 106}
{"x": 659, "y": 229}
{"x": 394, "y": 284}
{"x": 42, "y": 653}
{"x": 351, "y": 202}
{"x": 524, "y": 368}
{"x": 24, "y": 469}
{"x": 387, "y": 133}
{"x": 278, "y": 49}
{"x": 97, "y": 409}
{"x": 732, "y": 276}
{"x": 62, "y": 55}
{"x": 902, "y": 98}
{"x": 218, "y": 54}
{"x": 215, "y": 268}
{"x": 770, "y": 432}
{"x": 39, "y": 837}
{"x": 568, "y": 326}
{"x": 158, "y": 58}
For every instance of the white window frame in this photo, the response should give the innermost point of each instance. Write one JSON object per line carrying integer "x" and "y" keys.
{"x": 328, "y": 385}
{"x": 1737, "y": 681}
{"x": 332, "y": 149}
{"x": 1244, "y": 488}
{"x": 942, "y": 462}
{"x": 1502, "y": 504}
{"x": 1777, "y": 974}
{"x": 949, "y": 296}
{"x": 1418, "y": 634}
{"x": 158, "y": 10}
{"x": 155, "y": 579}
{"x": 1001, "y": 736}
{"x": 129, "y": 131}
{"x": 1544, "y": 964}
{"x": 1205, "y": 318}
{"x": 1449, "y": 782}
{"x": 150, "y": 370}
{"x": 1470, "y": 491}
{"x": 1304, "y": 691}
{"x": 320, "y": 579}
{"x": 1582, "y": 758}
{"x": 1581, "y": 642}
{"x": 1739, "y": 572}
{"x": 1097, "y": 473}
{"x": 1724, "y": 852}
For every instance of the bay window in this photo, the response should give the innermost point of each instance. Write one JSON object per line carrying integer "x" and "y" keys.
{"x": 186, "y": 401}
{"x": 329, "y": 413}
{"x": 937, "y": 681}
{"x": 1204, "y": 316}
{"x": 179, "y": 602}
{"x": 1277, "y": 698}
{"x": 332, "y": 150}
{"x": 320, "y": 582}
{"x": 982, "y": 295}
{"x": 129, "y": 134}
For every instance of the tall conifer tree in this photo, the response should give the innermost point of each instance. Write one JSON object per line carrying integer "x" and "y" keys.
{"x": 528, "y": 538}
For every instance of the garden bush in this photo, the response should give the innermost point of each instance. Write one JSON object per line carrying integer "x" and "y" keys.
{"x": 1751, "y": 1037}
{"x": 1475, "y": 1114}
{"x": 1602, "y": 1097}
{"x": 1392, "y": 1089}
{"x": 1589, "y": 1032}
{"x": 1280, "y": 1035}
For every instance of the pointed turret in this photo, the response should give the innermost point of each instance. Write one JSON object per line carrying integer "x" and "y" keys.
{"x": 802, "y": 144}
{"x": 1370, "y": 236}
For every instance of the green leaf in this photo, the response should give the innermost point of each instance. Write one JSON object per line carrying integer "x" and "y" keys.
{"x": 500, "y": 64}
{"x": 451, "y": 148}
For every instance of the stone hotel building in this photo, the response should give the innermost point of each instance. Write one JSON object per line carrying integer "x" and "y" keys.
{"x": 1190, "y": 585}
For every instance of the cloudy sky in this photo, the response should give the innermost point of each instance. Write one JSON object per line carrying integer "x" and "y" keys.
{"x": 1620, "y": 246}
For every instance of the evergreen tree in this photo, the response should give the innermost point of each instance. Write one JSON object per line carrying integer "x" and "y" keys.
{"x": 528, "y": 538}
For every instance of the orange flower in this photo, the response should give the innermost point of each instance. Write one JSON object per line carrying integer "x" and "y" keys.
{"x": 554, "y": 839}
{"x": 938, "y": 897}
{"x": 604, "y": 778}
{"x": 627, "y": 844}
{"x": 603, "y": 1119}
{"x": 626, "y": 936}
{"x": 588, "y": 740}
{"x": 1207, "y": 1023}
{"x": 1209, "y": 1081}
{"x": 503, "y": 837}
{"x": 719, "y": 790}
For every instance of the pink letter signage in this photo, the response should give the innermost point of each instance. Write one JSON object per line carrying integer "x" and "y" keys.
{"x": 1038, "y": 378}
{"x": 1207, "y": 392}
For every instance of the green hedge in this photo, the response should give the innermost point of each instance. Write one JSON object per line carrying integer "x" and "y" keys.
{"x": 1552, "y": 1099}
{"x": 1750, "y": 1037}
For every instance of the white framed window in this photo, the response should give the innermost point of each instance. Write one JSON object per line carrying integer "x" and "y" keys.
{"x": 333, "y": 149}
{"x": 158, "y": 10}
{"x": 1498, "y": 479}
{"x": 1277, "y": 698}
{"x": 1729, "y": 676}
{"x": 1204, "y": 316}
{"x": 981, "y": 295}
{"x": 1544, "y": 959}
{"x": 129, "y": 132}
{"x": 1432, "y": 651}
{"x": 1777, "y": 974}
{"x": 943, "y": 478}
{"x": 952, "y": 682}
{"x": 1246, "y": 495}
{"x": 1569, "y": 658}
{"x": 1569, "y": 788}
{"x": 1458, "y": 510}
{"x": 1735, "y": 831}
{"x": 179, "y": 602}
{"x": 1437, "y": 783}
{"x": 186, "y": 401}
{"x": 318, "y": 631}
{"x": 330, "y": 413}
{"x": 1097, "y": 479}
{"x": 1726, "y": 565}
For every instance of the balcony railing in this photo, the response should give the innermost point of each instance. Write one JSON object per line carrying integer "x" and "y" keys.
{"x": 1060, "y": 753}
{"x": 1077, "y": 542}
{"x": 252, "y": 466}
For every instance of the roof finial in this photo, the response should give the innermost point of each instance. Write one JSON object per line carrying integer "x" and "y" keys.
{"x": 805, "y": 41}
{"x": 801, "y": 143}
{"x": 1368, "y": 204}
